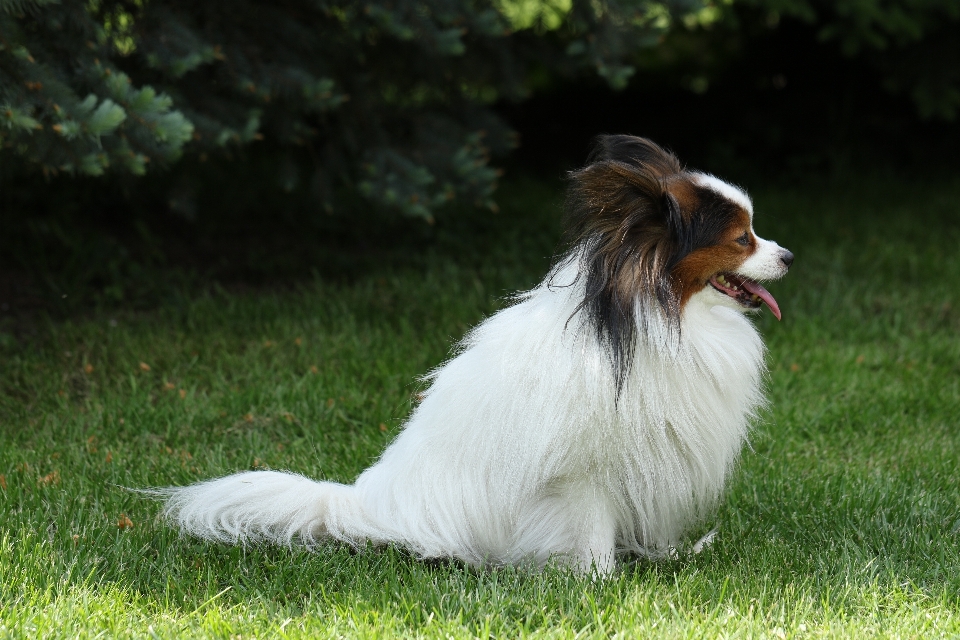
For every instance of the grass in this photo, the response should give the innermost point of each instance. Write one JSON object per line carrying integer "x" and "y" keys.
{"x": 842, "y": 520}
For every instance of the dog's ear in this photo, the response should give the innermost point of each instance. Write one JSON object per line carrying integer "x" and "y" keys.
{"x": 673, "y": 215}
{"x": 626, "y": 224}
{"x": 671, "y": 211}
{"x": 636, "y": 152}
{"x": 626, "y": 176}
{"x": 622, "y": 191}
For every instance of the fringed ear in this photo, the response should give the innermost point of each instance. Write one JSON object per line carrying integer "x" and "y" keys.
{"x": 624, "y": 223}
{"x": 637, "y": 152}
{"x": 683, "y": 242}
{"x": 671, "y": 211}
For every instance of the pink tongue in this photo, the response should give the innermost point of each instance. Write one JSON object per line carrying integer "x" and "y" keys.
{"x": 757, "y": 289}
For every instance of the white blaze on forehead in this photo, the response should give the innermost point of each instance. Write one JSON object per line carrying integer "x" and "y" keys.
{"x": 725, "y": 189}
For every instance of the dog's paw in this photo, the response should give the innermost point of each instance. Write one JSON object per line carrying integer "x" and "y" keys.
{"x": 705, "y": 541}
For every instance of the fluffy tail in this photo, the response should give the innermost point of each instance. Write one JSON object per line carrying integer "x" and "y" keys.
{"x": 271, "y": 506}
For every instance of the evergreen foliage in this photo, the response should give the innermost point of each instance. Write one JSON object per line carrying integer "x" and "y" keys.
{"x": 65, "y": 107}
{"x": 389, "y": 98}
{"x": 913, "y": 44}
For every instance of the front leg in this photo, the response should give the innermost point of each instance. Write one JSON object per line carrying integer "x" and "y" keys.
{"x": 595, "y": 535}
{"x": 574, "y": 527}
{"x": 596, "y": 556}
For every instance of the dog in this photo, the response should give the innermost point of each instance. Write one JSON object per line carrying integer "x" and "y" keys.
{"x": 599, "y": 414}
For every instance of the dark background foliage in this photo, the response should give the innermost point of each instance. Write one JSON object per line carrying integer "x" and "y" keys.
{"x": 150, "y": 147}
{"x": 808, "y": 92}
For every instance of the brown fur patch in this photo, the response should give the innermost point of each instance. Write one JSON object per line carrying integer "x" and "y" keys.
{"x": 685, "y": 192}
{"x": 694, "y": 271}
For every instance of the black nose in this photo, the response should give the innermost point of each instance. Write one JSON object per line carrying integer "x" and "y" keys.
{"x": 786, "y": 258}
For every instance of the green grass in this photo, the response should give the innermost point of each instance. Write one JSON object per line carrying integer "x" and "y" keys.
{"x": 843, "y": 518}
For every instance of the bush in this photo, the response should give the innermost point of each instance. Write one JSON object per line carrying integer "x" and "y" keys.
{"x": 384, "y": 102}
{"x": 388, "y": 99}
{"x": 912, "y": 44}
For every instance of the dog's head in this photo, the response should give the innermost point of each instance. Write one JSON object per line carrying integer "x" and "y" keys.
{"x": 652, "y": 235}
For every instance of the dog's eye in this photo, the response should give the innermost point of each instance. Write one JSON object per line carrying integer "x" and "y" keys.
{"x": 744, "y": 240}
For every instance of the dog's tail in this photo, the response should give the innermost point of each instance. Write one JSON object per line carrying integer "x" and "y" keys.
{"x": 269, "y": 506}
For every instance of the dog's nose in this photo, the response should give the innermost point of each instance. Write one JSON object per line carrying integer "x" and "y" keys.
{"x": 786, "y": 258}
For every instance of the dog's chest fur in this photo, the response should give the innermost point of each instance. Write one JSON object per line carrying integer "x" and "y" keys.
{"x": 679, "y": 424}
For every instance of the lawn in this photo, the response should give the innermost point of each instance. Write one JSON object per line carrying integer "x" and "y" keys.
{"x": 842, "y": 519}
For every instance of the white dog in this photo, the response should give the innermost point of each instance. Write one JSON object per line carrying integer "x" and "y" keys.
{"x": 599, "y": 414}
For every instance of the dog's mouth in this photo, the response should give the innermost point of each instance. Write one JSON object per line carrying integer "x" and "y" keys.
{"x": 745, "y": 291}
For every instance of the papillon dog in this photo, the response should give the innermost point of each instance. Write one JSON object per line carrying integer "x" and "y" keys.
{"x": 598, "y": 414}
